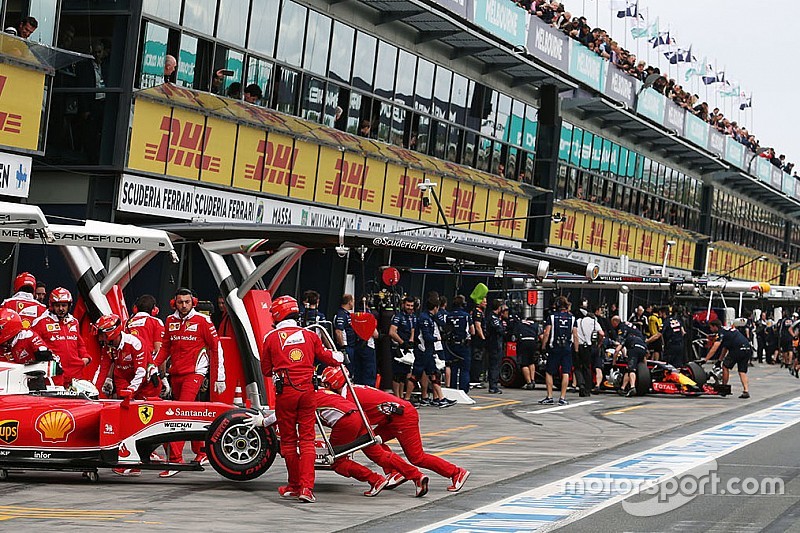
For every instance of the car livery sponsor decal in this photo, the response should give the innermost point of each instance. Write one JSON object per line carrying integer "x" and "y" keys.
{"x": 53, "y": 327}
{"x": 178, "y": 425}
{"x": 191, "y": 327}
{"x": 205, "y": 413}
{"x": 145, "y": 413}
{"x": 174, "y": 326}
{"x": 55, "y": 425}
{"x": 296, "y": 355}
{"x": 9, "y": 430}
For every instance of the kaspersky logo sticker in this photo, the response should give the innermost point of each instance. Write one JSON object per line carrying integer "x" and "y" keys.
{"x": 9, "y": 430}
{"x": 55, "y": 425}
{"x": 145, "y": 413}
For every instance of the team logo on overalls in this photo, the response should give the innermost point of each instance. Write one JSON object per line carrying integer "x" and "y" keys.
{"x": 145, "y": 413}
{"x": 296, "y": 355}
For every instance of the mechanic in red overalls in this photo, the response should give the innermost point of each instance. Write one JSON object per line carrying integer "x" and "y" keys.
{"x": 18, "y": 345}
{"x": 23, "y": 302}
{"x": 395, "y": 418}
{"x": 149, "y": 329}
{"x": 60, "y": 331}
{"x": 288, "y": 357}
{"x": 192, "y": 344}
{"x": 350, "y": 426}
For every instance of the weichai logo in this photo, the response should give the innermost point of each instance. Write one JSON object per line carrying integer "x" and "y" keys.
{"x": 595, "y": 238}
{"x": 461, "y": 207}
{"x": 409, "y": 196}
{"x": 506, "y": 209}
{"x": 622, "y": 243}
{"x": 349, "y": 182}
{"x": 274, "y": 165}
{"x": 9, "y": 122}
{"x": 182, "y": 144}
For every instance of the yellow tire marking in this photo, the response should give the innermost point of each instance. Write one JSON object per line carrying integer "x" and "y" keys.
{"x": 451, "y": 451}
{"x": 500, "y": 404}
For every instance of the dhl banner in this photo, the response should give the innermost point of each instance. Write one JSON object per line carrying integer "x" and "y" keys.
{"x": 21, "y": 96}
{"x": 793, "y": 275}
{"x": 196, "y": 139}
{"x": 742, "y": 263}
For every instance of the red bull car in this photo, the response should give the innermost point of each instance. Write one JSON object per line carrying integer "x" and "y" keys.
{"x": 52, "y": 428}
{"x": 660, "y": 377}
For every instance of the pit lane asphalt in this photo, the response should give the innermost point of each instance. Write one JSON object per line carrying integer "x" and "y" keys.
{"x": 508, "y": 442}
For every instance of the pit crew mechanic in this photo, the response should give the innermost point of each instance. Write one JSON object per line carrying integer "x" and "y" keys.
{"x": 192, "y": 346}
{"x": 561, "y": 337}
{"x": 632, "y": 339}
{"x": 60, "y": 331}
{"x": 288, "y": 357}
{"x": 148, "y": 328}
{"x": 737, "y": 352}
{"x": 401, "y": 333}
{"x": 133, "y": 366}
{"x": 23, "y": 301}
{"x": 18, "y": 345}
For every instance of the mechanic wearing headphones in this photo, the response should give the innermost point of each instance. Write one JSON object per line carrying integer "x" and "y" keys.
{"x": 738, "y": 352}
{"x": 192, "y": 345}
{"x": 60, "y": 331}
{"x": 23, "y": 302}
{"x": 288, "y": 357}
{"x": 149, "y": 329}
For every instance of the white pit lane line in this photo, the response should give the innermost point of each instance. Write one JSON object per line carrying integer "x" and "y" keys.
{"x": 557, "y": 504}
{"x": 561, "y": 407}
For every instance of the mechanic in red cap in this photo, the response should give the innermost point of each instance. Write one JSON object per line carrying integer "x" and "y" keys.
{"x": 19, "y": 345}
{"x": 132, "y": 366}
{"x": 349, "y": 426}
{"x": 192, "y": 344}
{"x": 149, "y": 329}
{"x": 395, "y": 418}
{"x": 23, "y": 301}
{"x": 60, "y": 331}
{"x": 288, "y": 357}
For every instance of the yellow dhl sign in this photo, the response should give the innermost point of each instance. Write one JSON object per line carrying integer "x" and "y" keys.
{"x": 21, "y": 97}
{"x": 177, "y": 142}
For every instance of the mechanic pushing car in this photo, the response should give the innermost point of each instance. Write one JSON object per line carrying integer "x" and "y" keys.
{"x": 288, "y": 358}
{"x": 19, "y": 345}
{"x": 23, "y": 301}
{"x": 737, "y": 353}
{"x": 60, "y": 331}
{"x": 149, "y": 329}
{"x": 632, "y": 339}
{"x": 395, "y": 418}
{"x": 193, "y": 349}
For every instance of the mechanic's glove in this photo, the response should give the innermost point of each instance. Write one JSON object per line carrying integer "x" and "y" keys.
{"x": 256, "y": 420}
{"x": 407, "y": 345}
{"x": 219, "y": 387}
{"x": 125, "y": 393}
{"x": 108, "y": 387}
{"x": 44, "y": 355}
{"x": 439, "y": 363}
{"x": 166, "y": 390}
{"x": 339, "y": 357}
{"x": 391, "y": 408}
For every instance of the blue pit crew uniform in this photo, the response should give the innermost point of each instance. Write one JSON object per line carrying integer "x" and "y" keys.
{"x": 405, "y": 323}
{"x": 495, "y": 339}
{"x": 458, "y": 343}
{"x": 560, "y": 343}
{"x": 739, "y": 350}
{"x": 362, "y": 364}
{"x": 427, "y": 338}
{"x": 632, "y": 339}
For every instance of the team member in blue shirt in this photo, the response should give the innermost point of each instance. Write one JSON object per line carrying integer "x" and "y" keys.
{"x": 401, "y": 331}
{"x": 737, "y": 353}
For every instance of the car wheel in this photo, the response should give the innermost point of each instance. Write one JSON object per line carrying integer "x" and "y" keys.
{"x": 697, "y": 374}
{"x": 643, "y": 379}
{"x": 510, "y": 373}
{"x": 237, "y": 451}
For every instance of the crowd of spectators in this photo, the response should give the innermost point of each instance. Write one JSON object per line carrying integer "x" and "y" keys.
{"x": 599, "y": 41}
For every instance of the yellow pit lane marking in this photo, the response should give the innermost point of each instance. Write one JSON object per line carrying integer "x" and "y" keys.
{"x": 7, "y": 512}
{"x": 451, "y": 430}
{"x": 623, "y": 410}
{"x": 457, "y": 449}
{"x": 500, "y": 404}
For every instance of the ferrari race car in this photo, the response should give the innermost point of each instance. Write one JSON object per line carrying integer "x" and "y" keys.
{"x": 658, "y": 376}
{"x": 52, "y": 428}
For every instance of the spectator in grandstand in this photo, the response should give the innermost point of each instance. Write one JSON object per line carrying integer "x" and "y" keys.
{"x": 24, "y": 28}
{"x": 252, "y": 93}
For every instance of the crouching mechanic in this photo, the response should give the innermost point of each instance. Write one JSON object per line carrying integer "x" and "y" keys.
{"x": 60, "y": 331}
{"x": 192, "y": 345}
{"x": 18, "y": 345}
{"x": 288, "y": 357}
{"x": 23, "y": 301}
{"x": 737, "y": 353}
{"x": 394, "y": 418}
{"x": 632, "y": 339}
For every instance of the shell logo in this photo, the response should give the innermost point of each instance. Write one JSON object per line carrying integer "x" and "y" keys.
{"x": 296, "y": 355}
{"x": 55, "y": 425}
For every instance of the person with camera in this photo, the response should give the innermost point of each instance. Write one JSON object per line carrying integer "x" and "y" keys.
{"x": 401, "y": 333}
{"x": 561, "y": 338}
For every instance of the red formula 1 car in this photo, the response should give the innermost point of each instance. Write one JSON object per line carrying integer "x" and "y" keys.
{"x": 660, "y": 377}
{"x": 50, "y": 428}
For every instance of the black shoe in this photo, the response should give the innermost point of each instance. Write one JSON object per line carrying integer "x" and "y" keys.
{"x": 596, "y": 390}
{"x": 495, "y": 391}
{"x": 745, "y": 395}
{"x": 630, "y": 393}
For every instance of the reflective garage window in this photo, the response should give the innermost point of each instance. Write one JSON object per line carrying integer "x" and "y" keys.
{"x": 232, "y": 23}
{"x": 341, "y": 52}
{"x": 364, "y": 66}
{"x": 318, "y": 37}
{"x": 290, "y": 36}
{"x": 199, "y": 15}
{"x": 263, "y": 26}
{"x": 384, "y": 70}
{"x": 407, "y": 67}
{"x": 164, "y": 9}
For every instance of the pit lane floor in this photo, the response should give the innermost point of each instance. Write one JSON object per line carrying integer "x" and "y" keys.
{"x": 508, "y": 442}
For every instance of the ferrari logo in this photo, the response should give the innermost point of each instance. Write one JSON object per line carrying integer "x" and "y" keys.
{"x": 283, "y": 335}
{"x": 296, "y": 355}
{"x": 145, "y": 413}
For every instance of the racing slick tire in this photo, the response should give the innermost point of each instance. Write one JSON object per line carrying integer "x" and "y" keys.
{"x": 237, "y": 451}
{"x": 697, "y": 373}
{"x": 510, "y": 373}
{"x": 643, "y": 379}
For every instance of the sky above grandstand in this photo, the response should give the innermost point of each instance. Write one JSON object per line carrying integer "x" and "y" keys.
{"x": 748, "y": 41}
